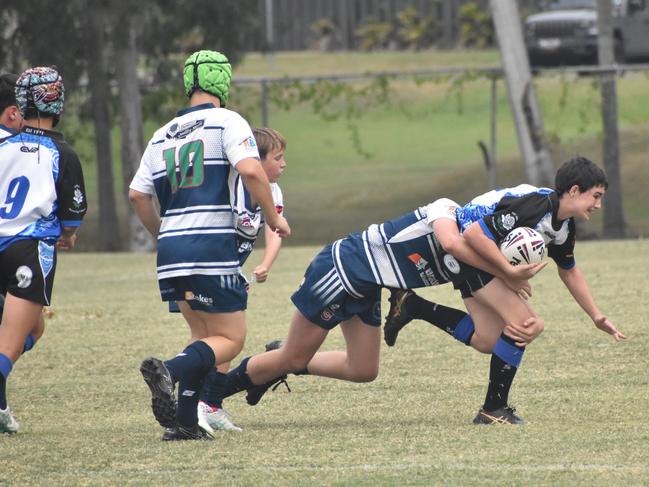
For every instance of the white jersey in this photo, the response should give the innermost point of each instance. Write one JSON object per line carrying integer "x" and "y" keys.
{"x": 189, "y": 164}
{"x": 250, "y": 218}
{"x": 41, "y": 186}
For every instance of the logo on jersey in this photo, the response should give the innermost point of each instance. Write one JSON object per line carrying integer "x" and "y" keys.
{"x": 249, "y": 143}
{"x": 24, "y": 148}
{"x": 24, "y": 276}
{"x": 329, "y": 312}
{"x": 181, "y": 131}
{"x": 506, "y": 222}
{"x": 451, "y": 264}
{"x": 190, "y": 296}
{"x": 245, "y": 247}
{"x": 78, "y": 198}
{"x": 425, "y": 272}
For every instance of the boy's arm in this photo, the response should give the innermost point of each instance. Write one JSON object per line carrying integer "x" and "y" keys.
{"x": 256, "y": 182}
{"x": 487, "y": 249}
{"x": 273, "y": 244}
{"x": 578, "y": 287}
{"x": 145, "y": 210}
{"x": 449, "y": 237}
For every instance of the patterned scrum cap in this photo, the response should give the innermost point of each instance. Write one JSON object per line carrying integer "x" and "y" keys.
{"x": 208, "y": 71}
{"x": 42, "y": 88}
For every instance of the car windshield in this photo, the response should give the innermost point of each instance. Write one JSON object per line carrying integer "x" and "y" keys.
{"x": 571, "y": 4}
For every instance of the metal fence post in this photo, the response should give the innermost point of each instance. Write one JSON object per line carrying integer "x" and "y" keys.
{"x": 264, "y": 103}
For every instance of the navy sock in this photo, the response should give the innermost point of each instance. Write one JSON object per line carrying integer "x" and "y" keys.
{"x": 453, "y": 321}
{"x": 505, "y": 360}
{"x": 30, "y": 341}
{"x": 214, "y": 388}
{"x": 189, "y": 368}
{"x": 5, "y": 368}
{"x": 237, "y": 379}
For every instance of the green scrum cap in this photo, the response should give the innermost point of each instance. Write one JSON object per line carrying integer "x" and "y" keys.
{"x": 208, "y": 71}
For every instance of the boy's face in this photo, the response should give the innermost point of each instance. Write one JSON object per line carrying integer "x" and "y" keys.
{"x": 274, "y": 164}
{"x": 584, "y": 204}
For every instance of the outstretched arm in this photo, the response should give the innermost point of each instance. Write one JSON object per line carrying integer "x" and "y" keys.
{"x": 578, "y": 287}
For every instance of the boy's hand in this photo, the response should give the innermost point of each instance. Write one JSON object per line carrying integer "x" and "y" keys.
{"x": 604, "y": 324}
{"x": 525, "y": 271}
{"x": 526, "y": 333}
{"x": 260, "y": 273}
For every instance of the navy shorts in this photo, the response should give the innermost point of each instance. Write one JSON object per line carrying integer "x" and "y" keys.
{"x": 471, "y": 280}
{"x": 27, "y": 270}
{"x": 322, "y": 299}
{"x": 212, "y": 294}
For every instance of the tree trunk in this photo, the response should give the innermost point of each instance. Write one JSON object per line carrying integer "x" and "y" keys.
{"x": 130, "y": 103}
{"x": 539, "y": 168}
{"x": 108, "y": 235}
{"x": 614, "y": 221}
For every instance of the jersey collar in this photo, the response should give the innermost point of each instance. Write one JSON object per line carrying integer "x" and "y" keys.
{"x": 203, "y": 106}
{"x": 52, "y": 134}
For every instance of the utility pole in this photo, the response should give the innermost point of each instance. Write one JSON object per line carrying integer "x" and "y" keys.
{"x": 614, "y": 221}
{"x": 539, "y": 168}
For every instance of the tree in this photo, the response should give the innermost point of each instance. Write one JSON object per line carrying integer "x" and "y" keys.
{"x": 108, "y": 233}
{"x": 130, "y": 108}
{"x": 614, "y": 221}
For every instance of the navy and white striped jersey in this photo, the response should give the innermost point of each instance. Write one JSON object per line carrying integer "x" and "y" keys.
{"x": 41, "y": 186}
{"x": 499, "y": 211}
{"x": 250, "y": 218}
{"x": 189, "y": 165}
{"x": 400, "y": 253}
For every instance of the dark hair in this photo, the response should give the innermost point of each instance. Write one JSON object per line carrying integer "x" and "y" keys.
{"x": 581, "y": 172}
{"x": 7, "y": 90}
{"x": 31, "y": 112}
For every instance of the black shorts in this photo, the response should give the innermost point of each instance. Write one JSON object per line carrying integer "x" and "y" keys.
{"x": 470, "y": 280}
{"x": 27, "y": 270}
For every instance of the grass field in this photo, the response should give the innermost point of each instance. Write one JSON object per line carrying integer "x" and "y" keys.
{"x": 85, "y": 415}
{"x": 421, "y": 144}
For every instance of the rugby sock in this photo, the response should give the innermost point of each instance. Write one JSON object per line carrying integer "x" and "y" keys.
{"x": 505, "y": 360}
{"x": 30, "y": 341}
{"x": 453, "y": 321}
{"x": 214, "y": 388}
{"x": 189, "y": 368}
{"x": 5, "y": 368}
{"x": 237, "y": 379}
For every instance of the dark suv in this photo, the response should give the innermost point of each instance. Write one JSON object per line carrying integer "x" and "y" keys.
{"x": 565, "y": 32}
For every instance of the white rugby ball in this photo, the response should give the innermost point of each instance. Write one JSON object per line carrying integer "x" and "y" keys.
{"x": 523, "y": 245}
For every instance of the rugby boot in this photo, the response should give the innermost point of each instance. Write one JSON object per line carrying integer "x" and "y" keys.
{"x": 398, "y": 316}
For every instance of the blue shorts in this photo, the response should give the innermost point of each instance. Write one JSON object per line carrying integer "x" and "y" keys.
{"x": 212, "y": 294}
{"x": 322, "y": 299}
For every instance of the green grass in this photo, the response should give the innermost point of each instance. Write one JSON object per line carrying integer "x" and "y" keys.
{"x": 423, "y": 144}
{"x": 86, "y": 420}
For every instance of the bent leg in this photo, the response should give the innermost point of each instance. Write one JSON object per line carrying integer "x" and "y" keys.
{"x": 303, "y": 341}
{"x": 360, "y": 361}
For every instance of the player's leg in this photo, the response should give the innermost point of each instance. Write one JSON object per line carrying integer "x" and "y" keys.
{"x": 19, "y": 318}
{"x": 359, "y": 362}
{"x": 226, "y": 334}
{"x": 506, "y": 357}
{"x": 258, "y": 373}
{"x": 406, "y": 305}
{"x": 28, "y": 268}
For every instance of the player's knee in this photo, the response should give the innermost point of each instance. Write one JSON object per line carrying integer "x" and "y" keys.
{"x": 366, "y": 374}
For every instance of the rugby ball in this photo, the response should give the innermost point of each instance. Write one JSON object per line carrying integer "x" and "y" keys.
{"x": 523, "y": 245}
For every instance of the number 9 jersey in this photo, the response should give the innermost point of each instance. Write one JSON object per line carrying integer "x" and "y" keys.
{"x": 41, "y": 186}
